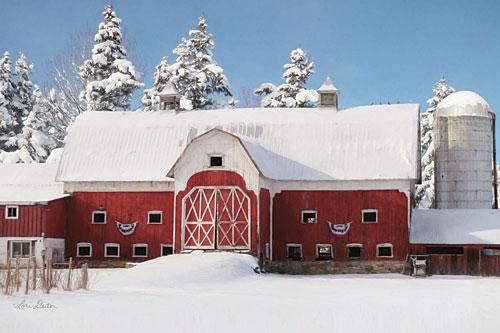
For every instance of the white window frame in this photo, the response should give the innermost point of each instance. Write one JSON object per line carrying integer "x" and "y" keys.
{"x": 385, "y": 245}
{"x": 369, "y": 211}
{"x": 111, "y": 245}
{"x": 7, "y": 217}
{"x": 354, "y": 245}
{"x": 78, "y": 245}
{"x": 288, "y": 245}
{"x": 165, "y": 245}
{"x": 324, "y": 245}
{"x": 105, "y": 216}
{"x": 217, "y": 166}
{"x": 140, "y": 245}
{"x": 11, "y": 245}
{"x": 308, "y": 211}
{"x": 155, "y": 212}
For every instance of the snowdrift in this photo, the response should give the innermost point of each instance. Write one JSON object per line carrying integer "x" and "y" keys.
{"x": 197, "y": 268}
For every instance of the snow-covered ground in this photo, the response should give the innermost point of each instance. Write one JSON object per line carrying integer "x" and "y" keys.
{"x": 220, "y": 292}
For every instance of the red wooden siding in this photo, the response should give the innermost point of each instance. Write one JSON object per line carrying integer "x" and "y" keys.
{"x": 125, "y": 207}
{"x": 340, "y": 207}
{"x": 472, "y": 262}
{"x": 34, "y": 220}
{"x": 265, "y": 227}
{"x": 216, "y": 178}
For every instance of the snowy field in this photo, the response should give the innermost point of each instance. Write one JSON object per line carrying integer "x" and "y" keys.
{"x": 220, "y": 292}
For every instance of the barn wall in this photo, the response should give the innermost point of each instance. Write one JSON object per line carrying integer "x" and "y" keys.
{"x": 472, "y": 262}
{"x": 34, "y": 220}
{"x": 215, "y": 178}
{"x": 265, "y": 220}
{"x": 125, "y": 207}
{"x": 340, "y": 207}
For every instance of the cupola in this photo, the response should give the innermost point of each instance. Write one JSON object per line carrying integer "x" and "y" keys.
{"x": 169, "y": 98}
{"x": 328, "y": 94}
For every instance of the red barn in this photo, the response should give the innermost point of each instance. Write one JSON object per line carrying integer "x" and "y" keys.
{"x": 33, "y": 211}
{"x": 300, "y": 184}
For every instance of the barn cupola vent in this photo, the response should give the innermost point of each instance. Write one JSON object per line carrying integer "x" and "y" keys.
{"x": 169, "y": 98}
{"x": 328, "y": 94}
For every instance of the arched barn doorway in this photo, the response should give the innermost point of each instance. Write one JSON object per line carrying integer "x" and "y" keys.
{"x": 216, "y": 217}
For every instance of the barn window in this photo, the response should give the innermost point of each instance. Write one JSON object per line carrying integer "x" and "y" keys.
{"x": 84, "y": 250}
{"x": 444, "y": 250}
{"x": 370, "y": 215}
{"x": 384, "y": 250}
{"x": 99, "y": 217}
{"x": 294, "y": 251}
{"x": 111, "y": 250}
{"x": 215, "y": 161}
{"x": 166, "y": 250}
{"x": 354, "y": 251}
{"x": 154, "y": 217}
{"x": 491, "y": 251}
{"x": 309, "y": 216}
{"x": 140, "y": 250}
{"x": 324, "y": 252}
{"x": 12, "y": 212}
{"x": 20, "y": 249}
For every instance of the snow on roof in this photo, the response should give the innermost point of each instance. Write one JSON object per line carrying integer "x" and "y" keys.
{"x": 168, "y": 89}
{"x": 463, "y": 103}
{"x": 327, "y": 85}
{"x": 29, "y": 183}
{"x": 455, "y": 226}
{"x": 371, "y": 142}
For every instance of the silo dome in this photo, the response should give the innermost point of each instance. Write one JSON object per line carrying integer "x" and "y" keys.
{"x": 463, "y": 103}
{"x": 463, "y": 141}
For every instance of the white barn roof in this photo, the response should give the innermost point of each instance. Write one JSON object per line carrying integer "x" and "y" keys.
{"x": 363, "y": 143}
{"x": 29, "y": 183}
{"x": 455, "y": 226}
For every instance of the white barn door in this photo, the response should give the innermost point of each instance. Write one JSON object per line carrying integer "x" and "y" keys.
{"x": 216, "y": 218}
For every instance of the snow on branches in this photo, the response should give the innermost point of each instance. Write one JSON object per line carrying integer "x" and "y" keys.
{"x": 292, "y": 93}
{"x": 161, "y": 81}
{"x": 110, "y": 78}
{"x": 425, "y": 193}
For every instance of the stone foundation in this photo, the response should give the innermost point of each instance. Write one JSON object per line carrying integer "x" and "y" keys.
{"x": 335, "y": 267}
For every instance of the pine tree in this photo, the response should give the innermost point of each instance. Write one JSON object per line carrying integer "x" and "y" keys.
{"x": 161, "y": 79}
{"x": 7, "y": 93}
{"x": 196, "y": 75}
{"x": 425, "y": 194}
{"x": 293, "y": 92}
{"x": 110, "y": 78}
{"x": 34, "y": 143}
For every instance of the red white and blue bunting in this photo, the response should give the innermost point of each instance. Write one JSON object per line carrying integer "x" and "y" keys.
{"x": 126, "y": 229}
{"x": 339, "y": 229}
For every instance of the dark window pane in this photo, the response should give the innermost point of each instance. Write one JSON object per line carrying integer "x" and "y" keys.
{"x": 324, "y": 252}
{"x": 384, "y": 251}
{"x": 16, "y": 249}
{"x": 354, "y": 252}
{"x": 99, "y": 217}
{"x": 294, "y": 252}
{"x": 444, "y": 250}
{"x": 26, "y": 249}
{"x": 84, "y": 250}
{"x": 308, "y": 217}
{"x": 215, "y": 161}
{"x": 112, "y": 251}
{"x": 140, "y": 251}
{"x": 154, "y": 217}
{"x": 167, "y": 250}
{"x": 370, "y": 217}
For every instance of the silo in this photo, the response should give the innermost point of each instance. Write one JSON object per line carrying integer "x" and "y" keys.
{"x": 463, "y": 139}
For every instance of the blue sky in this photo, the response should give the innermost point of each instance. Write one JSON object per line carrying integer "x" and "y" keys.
{"x": 375, "y": 51}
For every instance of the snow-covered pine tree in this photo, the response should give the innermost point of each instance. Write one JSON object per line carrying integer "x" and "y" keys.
{"x": 293, "y": 92}
{"x": 425, "y": 195}
{"x": 161, "y": 79}
{"x": 196, "y": 75}
{"x": 7, "y": 93}
{"x": 110, "y": 78}
{"x": 34, "y": 143}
